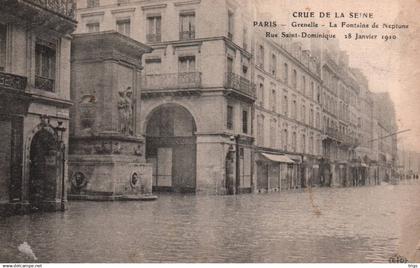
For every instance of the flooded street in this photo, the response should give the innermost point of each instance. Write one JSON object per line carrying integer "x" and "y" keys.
{"x": 366, "y": 224}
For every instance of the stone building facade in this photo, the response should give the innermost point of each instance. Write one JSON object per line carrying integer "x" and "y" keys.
{"x": 288, "y": 114}
{"x": 385, "y": 140}
{"x": 197, "y": 91}
{"x": 271, "y": 114}
{"x": 34, "y": 103}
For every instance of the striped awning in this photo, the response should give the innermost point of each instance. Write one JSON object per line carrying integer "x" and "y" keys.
{"x": 278, "y": 158}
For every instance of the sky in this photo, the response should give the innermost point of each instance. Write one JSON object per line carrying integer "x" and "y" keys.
{"x": 390, "y": 66}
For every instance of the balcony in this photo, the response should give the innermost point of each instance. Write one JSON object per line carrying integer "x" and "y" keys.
{"x": 13, "y": 96}
{"x": 171, "y": 81}
{"x": 153, "y": 38}
{"x": 240, "y": 84}
{"x": 187, "y": 35}
{"x": 332, "y": 133}
{"x": 58, "y": 15}
{"x": 12, "y": 81}
{"x": 65, "y": 8}
{"x": 43, "y": 83}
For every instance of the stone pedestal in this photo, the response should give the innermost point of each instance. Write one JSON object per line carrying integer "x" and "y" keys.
{"x": 106, "y": 152}
{"x": 108, "y": 167}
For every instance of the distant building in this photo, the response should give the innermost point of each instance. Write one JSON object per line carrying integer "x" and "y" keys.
{"x": 34, "y": 103}
{"x": 385, "y": 140}
{"x": 408, "y": 164}
{"x": 288, "y": 114}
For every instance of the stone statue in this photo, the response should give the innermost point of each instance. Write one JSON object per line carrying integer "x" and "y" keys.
{"x": 122, "y": 115}
{"x": 129, "y": 107}
{"x": 125, "y": 112}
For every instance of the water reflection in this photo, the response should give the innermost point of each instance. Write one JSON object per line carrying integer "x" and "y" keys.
{"x": 354, "y": 225}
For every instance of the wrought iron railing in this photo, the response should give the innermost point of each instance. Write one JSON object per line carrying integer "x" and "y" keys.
{"x": 171, "y": 81}
{"x": 240, "y": 83}
{"x": 12, "y": 81}
{"x": 332, "y": 132}
{"x": 66, "y": 8}
{"x": 43, "y": 83}
{"x": 153, "y": 38}
{"x": 186, "y": 35}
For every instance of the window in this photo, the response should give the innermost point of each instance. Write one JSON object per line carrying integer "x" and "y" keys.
{"x": 123, "y": 26}
{"x": 3, "y": 34}
{"x": 311, "y": 116}
{"x": 286, "y": 74}
{"x": 303, "y": 150}
{"x": 285, "y": 105}
{"x": 260, "y": 130}
{"x": 285, "y": 139}
{"x": 92, "y": 3}
{"x": 294, "y": 141}
{"x": 230, "y": 24}
{"x": 294, "y": 109}
{"x": 229, "y": 120}
{"x": 261, "y": 93}
{"x": 273, "y": 124}
{"x": 318, "y": 121}
{"x": 273, "y": 65}
{"x": 187, "y": 26}
{"x": 260, "y": 57}
{"x": 303, "y": 85}
{"x": 45, "y": 66}
{"x": 92, "y": 27}
{"x": 312, "y": 96}
{"x": 154, "y": 24}
{"x": 186, "y": 64}
{"x": 229, "y": 65}
{"x": 273, "y": 100}
{"x": 294, "y": 79}
{"x": 303, "y": 117}
{"x": 311, "y": 145}
{"x": 245, "y": 121}
{"x": 318, "y": 95}
{"x": 153, "y": 66}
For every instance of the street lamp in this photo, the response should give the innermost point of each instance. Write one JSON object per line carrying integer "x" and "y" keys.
{"x": 60, "y": 129}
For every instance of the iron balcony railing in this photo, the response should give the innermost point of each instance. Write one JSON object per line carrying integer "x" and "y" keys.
{"x": 333, "y": 133}
{"x": 43, "y": 83}
{"x": 171, "y": 81}
{"x": 153, "y": 38}
{"x": 240, "y": 84}
{"x": 12, "y": 81}
{"x": 66, "y": 8}
{"x": 341, "y": 137}
{"x": 186, "y": 35}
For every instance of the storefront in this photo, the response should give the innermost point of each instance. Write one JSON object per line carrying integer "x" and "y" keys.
{"x": 275, "y": 172}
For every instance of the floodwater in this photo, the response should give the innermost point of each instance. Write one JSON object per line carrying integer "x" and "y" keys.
{"x": 365, "y": 224}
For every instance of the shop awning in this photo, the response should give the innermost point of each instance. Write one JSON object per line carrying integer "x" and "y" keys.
{"x": 278, "y": 158}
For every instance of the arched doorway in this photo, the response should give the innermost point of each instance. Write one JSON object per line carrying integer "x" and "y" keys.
{"x": 171, "y": 148}
{"x": 44, "y": 169}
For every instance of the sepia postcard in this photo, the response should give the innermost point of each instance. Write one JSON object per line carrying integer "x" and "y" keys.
{"x": 209, "y": 131}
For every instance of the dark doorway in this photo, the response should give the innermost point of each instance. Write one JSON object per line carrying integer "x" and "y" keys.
{"x": 171, "y": 148}
{"x": 44, "y": 170}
